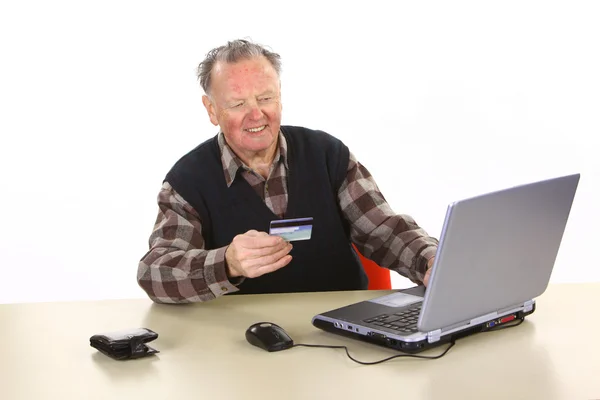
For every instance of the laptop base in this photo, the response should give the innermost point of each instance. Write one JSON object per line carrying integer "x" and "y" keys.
{"x": 412, "y": 347}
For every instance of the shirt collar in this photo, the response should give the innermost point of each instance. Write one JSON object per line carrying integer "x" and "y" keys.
{"x": 232, "y": 163}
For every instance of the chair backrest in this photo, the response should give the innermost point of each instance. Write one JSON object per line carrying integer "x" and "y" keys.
{"x": 379, "y": 277}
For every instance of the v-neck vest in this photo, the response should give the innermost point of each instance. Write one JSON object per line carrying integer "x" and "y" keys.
{"x": 318, "y": 164}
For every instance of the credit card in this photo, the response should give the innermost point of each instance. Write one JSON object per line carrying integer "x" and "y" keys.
{"x": 292, "y": 229}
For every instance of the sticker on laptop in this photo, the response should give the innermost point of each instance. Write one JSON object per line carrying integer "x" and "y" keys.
{"x": 292, "y": 229}
{"x": 397, "y": 300}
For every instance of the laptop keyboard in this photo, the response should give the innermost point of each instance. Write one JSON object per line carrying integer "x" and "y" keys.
{"x": 404, "y": 321}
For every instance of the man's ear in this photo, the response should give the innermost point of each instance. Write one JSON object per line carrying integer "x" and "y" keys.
{"x": 210, "y": 109}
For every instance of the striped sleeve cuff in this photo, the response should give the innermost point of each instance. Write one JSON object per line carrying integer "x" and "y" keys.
{"x": 215, "y": 274}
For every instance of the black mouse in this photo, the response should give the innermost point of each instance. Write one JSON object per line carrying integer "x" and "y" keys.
{"x": 268, "y": 336}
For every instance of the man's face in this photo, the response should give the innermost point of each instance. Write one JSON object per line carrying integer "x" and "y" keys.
{"x": 245, "y": 102}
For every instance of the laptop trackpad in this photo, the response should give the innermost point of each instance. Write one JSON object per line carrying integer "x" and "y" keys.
{"x": 397, "y": 300}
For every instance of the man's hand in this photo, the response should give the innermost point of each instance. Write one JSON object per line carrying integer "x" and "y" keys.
{"x": 428, "y": 273}
{"x": 254, "y": 253}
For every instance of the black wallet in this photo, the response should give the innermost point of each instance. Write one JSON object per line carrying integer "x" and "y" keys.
{"x": 126, "y": 344}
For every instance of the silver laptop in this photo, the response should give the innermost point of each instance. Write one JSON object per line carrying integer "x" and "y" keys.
{"x": 495, "y": 256}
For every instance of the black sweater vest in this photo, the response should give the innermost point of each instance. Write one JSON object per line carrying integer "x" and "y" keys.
{"x": 318, "y": 164}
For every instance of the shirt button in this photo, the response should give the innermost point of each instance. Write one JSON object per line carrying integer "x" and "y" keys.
{"x": 223, "y": 288}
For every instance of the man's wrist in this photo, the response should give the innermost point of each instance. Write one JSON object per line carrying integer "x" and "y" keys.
{"x": 231, "y": 272}
{"x": 430, "y": 263}
{"x": 232, "y": 275}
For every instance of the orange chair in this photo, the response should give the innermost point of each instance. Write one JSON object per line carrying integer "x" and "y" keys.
{"x": 379, "y": 277}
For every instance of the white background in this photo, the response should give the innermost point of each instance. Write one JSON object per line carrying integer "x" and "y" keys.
{"x": 440, "y": 100}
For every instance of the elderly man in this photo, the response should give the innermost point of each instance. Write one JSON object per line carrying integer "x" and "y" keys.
{"x": 218, "y": 200}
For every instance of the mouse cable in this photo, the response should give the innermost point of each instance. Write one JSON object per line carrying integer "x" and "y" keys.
{"x": 452, "y": 343}
{"x": 380, "y": 361}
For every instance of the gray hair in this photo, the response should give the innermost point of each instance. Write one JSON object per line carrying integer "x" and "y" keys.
{"x": 233, "y": 52}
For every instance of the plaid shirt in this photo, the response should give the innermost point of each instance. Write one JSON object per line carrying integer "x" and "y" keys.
{"x": 178, "y": 268}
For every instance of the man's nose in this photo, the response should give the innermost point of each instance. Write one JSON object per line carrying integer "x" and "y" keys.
{"x": 255, "y": 111}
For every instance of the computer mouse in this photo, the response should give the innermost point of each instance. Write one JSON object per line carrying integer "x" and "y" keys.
{"x": 268, "y": 336}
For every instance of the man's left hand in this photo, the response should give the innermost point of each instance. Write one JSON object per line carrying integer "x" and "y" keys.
{"x": 428, "y": 273}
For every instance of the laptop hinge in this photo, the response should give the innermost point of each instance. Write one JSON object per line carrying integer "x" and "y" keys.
{"x": 528, "y": 306}
{"x": 434, "y": 336}
{"x": 483, "y": 318}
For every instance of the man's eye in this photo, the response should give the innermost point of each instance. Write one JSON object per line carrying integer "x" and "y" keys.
{"x": 237, "y": 105}
{"x": 265, "y": 99}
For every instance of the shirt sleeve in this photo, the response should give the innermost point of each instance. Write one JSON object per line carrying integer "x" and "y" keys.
{"x": 391, "y": 240}
{"x": 177, "y": 268}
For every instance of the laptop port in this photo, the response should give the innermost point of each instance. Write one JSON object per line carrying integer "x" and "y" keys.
{"x": 350, "y": 327}
{"x": 508, "y": 318}
{"x": 377, "y": 335}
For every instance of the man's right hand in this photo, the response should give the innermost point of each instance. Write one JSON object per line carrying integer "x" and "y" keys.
{"x": 254, "y": 253}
